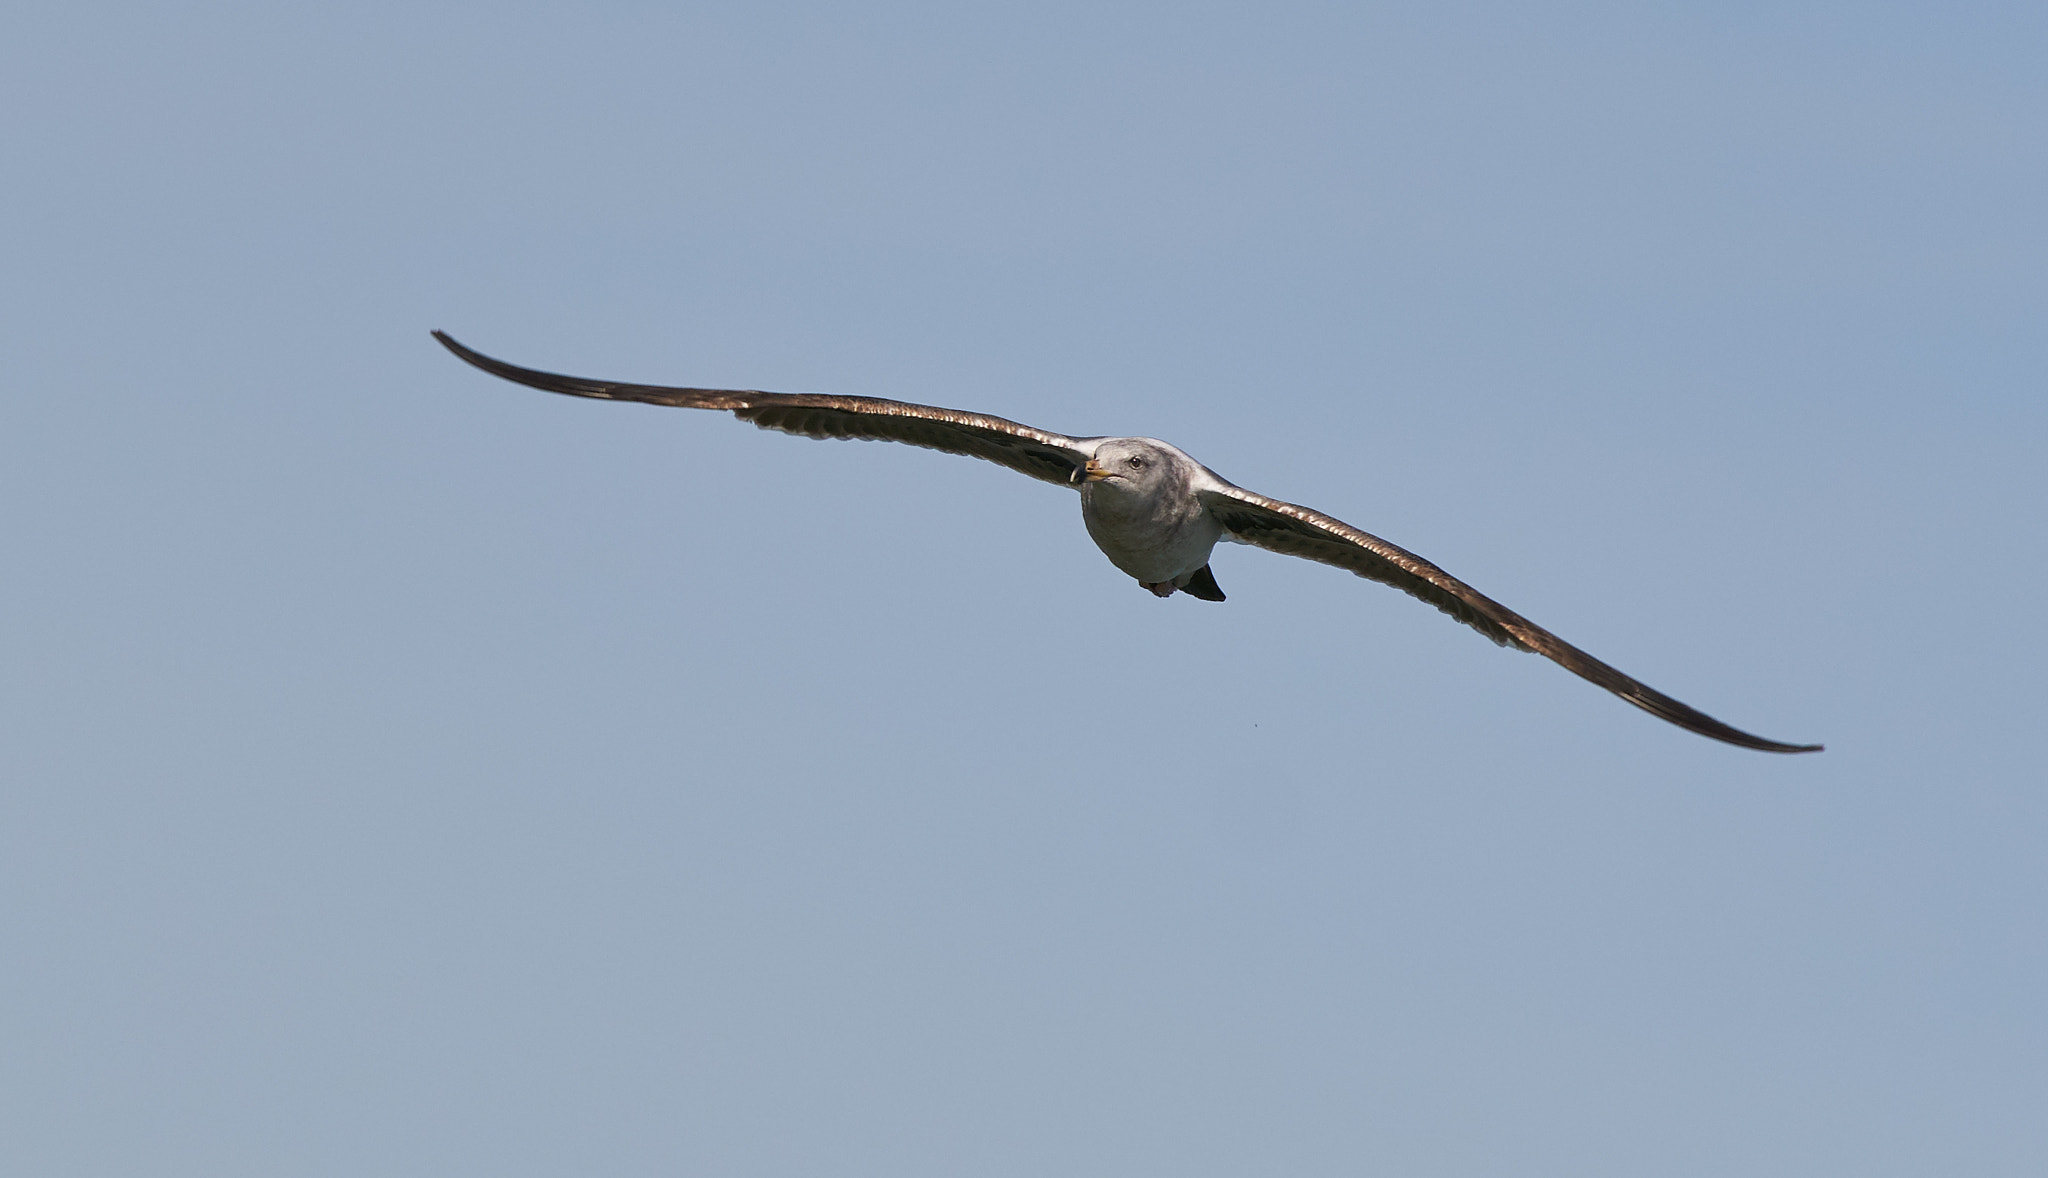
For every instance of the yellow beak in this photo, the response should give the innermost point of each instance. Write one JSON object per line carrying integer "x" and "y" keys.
{"x": 1093, "y": 472}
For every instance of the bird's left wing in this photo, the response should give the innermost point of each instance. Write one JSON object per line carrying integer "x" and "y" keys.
{"x": 1055, "y": 458}
{"x": 1298, "y": 531}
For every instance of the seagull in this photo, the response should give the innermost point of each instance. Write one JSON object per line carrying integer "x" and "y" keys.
{"x": 1155, "y": 512}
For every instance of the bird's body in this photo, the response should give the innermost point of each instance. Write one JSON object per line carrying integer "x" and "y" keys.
{"x": 1155, "y": 512}
{"x": 1147, "y": 518}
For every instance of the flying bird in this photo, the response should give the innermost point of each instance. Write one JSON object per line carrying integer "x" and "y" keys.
{"x": 1154, "y": 511}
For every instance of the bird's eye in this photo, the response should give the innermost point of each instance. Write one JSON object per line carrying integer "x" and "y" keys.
{"x": 1136, "y": 462}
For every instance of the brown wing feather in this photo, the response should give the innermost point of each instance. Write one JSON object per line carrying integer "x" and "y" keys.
{"x": 1043, "y": 455}
{"x": 1298, "y": 531}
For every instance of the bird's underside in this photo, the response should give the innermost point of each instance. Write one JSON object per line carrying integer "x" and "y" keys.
{"x": 1239, "y": 514}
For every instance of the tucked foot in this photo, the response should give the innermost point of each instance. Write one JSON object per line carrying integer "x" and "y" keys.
{"x": 1159, "y": 589}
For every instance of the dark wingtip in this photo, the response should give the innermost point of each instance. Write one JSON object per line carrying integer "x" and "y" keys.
{"x": 1750, "y": 740}
{"x": 544, "y": 380}
{"x": 1694, "y": 720}
{"x": 553, "y": 382}
{"x": 1771, "y": 746}
{"x": 1736, "y": 736}
{"x": 448, "y": 342}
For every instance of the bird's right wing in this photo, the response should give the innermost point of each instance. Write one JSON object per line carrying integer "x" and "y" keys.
{"x": 1298, "y": 531}
{"x": 1055, "y": 458}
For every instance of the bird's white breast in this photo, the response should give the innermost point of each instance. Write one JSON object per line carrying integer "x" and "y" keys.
{"x": 1153, "y": 541}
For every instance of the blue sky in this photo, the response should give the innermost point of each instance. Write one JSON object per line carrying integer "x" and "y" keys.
{"x": 410, "y": 773}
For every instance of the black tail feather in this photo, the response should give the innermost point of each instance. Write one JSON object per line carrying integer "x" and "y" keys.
{"x": 1203, "y": 585}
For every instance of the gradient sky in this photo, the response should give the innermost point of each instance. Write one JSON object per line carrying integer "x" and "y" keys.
{"x": 403, "y": 772}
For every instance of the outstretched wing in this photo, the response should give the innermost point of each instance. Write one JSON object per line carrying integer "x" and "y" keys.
{"x": 1052, "y": 457}
{"x": 1297, "y": 531}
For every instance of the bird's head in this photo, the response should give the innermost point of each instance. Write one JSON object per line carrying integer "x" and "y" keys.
{"x": 1130, "y": 465}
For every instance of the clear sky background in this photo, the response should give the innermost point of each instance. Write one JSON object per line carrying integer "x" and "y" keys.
{"x": 410, "y": 773}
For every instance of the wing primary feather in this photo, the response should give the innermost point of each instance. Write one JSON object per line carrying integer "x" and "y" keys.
{"x": 603, "y": 390}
